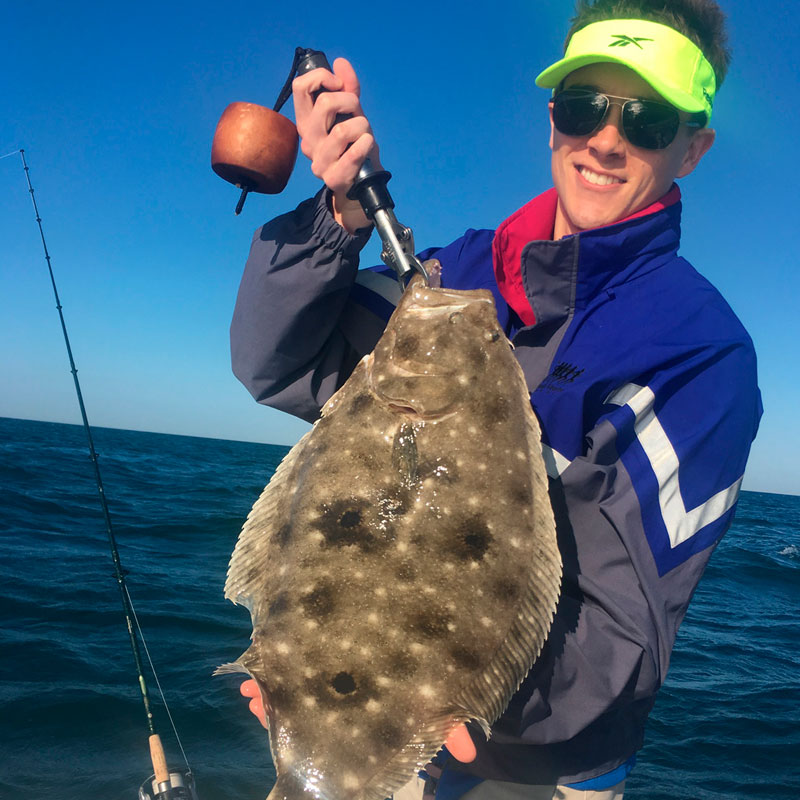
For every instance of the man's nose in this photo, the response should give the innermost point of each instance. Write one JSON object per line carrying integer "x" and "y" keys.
{"x": 608, "y": 138}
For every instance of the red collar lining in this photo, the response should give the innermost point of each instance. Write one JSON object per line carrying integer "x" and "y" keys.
{"x": 535, "y": 222}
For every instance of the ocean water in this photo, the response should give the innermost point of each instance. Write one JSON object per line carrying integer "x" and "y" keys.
{"x": 72, "y": 725}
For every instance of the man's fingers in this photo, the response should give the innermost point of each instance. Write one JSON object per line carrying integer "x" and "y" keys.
{"x": 250, "y": 689}
{"x": 305, "y": 87}
{"x": 256, "y": 707}
{"x": 460, "y": 744}
{"x": 345, "y": 72}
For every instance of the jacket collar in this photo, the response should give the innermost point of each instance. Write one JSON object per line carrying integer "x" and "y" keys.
{"x": 524, "y": 253}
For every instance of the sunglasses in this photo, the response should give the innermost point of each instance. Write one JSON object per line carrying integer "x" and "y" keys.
{"x": 645, "y": 123}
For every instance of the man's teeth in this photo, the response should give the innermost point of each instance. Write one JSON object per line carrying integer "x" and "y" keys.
{"x": 599, "y": 180}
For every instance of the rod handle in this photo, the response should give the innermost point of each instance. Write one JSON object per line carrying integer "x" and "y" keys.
{"x": 159, "y": 759}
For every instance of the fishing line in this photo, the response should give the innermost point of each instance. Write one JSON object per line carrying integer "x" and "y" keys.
{"x": 155, "y": 676}
{"x": 165, "y": 784}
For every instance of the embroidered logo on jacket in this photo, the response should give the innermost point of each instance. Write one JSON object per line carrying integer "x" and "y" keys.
{"x": 560, "y": 376}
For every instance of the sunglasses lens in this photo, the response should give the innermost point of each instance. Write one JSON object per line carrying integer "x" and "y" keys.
{"x": 646, "y": 123}
{"x": 649, "y": 125}
{"x": 577, "y": 112}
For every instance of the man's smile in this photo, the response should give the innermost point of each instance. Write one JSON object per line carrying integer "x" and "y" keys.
{"x": 597, "y": 178}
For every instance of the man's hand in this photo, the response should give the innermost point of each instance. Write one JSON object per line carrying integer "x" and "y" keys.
{"x": 459, "y": 742}
{"x": 337, "y": 151}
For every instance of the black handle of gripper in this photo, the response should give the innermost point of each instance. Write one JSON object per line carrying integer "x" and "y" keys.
{"x": 369, "y": 187}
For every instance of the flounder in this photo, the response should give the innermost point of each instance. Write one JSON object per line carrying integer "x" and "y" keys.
{"x": 401, "y": 567}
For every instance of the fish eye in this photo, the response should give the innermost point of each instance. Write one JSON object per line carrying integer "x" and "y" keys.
{"x": 456, "y": 316}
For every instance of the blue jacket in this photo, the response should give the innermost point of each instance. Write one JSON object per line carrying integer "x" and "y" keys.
{"x": 645, "y": 385}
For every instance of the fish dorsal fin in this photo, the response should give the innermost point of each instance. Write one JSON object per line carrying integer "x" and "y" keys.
{"x": 247, "y": 570}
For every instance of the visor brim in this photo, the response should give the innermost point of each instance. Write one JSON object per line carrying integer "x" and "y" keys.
{"x": 554, "y": 74}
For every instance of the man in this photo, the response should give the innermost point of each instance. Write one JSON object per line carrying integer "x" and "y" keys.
{"x": 643, "y": 379}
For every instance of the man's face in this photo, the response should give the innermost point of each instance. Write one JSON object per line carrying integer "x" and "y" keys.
{"x": 631, "y": 178}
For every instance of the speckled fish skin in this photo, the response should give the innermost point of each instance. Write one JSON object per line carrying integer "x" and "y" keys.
{"x": 401, "y": 567}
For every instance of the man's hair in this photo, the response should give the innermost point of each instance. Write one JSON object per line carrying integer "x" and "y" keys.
{"x": 701, "y": 21}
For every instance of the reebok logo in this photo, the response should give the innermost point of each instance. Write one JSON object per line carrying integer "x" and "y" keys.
{"x": 621, "y": 40}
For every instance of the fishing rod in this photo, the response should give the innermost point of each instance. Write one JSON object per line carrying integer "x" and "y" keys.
{"x": 164, "y": 784}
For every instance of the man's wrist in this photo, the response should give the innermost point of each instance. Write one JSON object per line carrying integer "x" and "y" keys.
{"x": 348, "y": 213}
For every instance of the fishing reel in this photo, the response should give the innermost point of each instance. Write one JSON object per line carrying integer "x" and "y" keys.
{"x": 255, "y": 148}
{"x": 178, "y": 786}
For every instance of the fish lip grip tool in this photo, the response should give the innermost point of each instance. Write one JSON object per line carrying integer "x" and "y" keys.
{"x": 255, "y": 148}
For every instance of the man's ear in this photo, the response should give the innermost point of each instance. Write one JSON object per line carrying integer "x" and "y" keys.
{"x": 699, "y": 145}
{"x": 552, "y": 127}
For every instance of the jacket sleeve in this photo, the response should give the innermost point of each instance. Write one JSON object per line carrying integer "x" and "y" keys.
{"x": 294, "y": 336}
{"x": 305, "y": 314}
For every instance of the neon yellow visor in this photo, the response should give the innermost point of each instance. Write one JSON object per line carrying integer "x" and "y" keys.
{"x": 672, "y": 64}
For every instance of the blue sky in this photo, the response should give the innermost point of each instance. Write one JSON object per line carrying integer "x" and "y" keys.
{"x": 116, "y": 107}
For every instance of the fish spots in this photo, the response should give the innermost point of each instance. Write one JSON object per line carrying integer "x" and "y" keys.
{"x": 430, "y": 623}
{"x": 505, "y": 590}
{"x": 521, "y": 494}
{"x": 403, "y": 664}
{"x": 389, "y": 734}
{"x": 496, "y": 410}
{"x": 360, "y": 403}
{"x": 346, "y": 523}
{"x": 320, "y": 602}
{"x": 476, "y": 358}
{"x": 280, "y": 605}
{"x": 343, "y": 683}
{"x": 373, "y": 706}
{"x": 281, "y": 699}
{"x": 406, "y": 345}
{"x": 350, "y": 518}
{"x": 283, "y": 535}
{"x": 465, "y": 657}
{"x": 469, "y": 539}
{"x": 347, "y": 688}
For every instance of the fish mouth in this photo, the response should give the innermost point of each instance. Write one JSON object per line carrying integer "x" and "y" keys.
{"x": 399, "y": 408}
{"x": 418, "y": 415}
